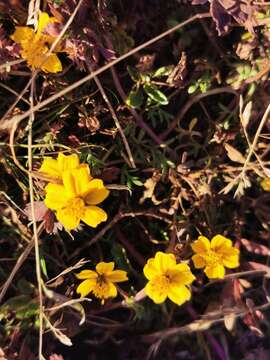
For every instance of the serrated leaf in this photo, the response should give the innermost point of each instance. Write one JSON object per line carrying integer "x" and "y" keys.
{"x": 135, "y": 99}
{"x": 234, "y": 154}
{"x": 155, "y": 94}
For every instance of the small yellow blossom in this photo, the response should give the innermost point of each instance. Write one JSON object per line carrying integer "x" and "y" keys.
{"x": 76, "y": 198}
{"x": 54, "y": 168}
{"x": 215, "y": 255}
{"x": 101, "y": 282}
{"x": 265, "y": 184}
{"x": 34, "y": 45}
{"x": 167, "y": 279}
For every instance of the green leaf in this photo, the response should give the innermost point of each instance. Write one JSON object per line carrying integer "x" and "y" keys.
{"x": 192, "y": 88}
{"x": 135, "y": 98}
{"x": 136, "y": 181}
{"x": 134, "y": 74}
{"x": 43, "y": 266}
{"x": 155, "y": 94}
{"x": 163, "y": 71}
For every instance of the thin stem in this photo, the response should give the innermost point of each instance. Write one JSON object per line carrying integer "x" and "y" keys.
{"x": 17, "y": 119}
{"x": 117, "y": 122}
{"x": 35, "y": 232}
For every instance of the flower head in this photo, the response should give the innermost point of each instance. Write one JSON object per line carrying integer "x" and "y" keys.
{"x": 215, "y": 255}
{"x": 76, "y": 198}
{"x": 34, "y": 45}
{"x": 101, "y": 282}
{"x": 54, "y": 168}
{"x": 265, "y": 184}
{"x": 167, "y": 279}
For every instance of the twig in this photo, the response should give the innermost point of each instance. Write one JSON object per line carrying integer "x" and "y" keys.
{"x": 191, "y": 102}
{"x": 255, "y": 140}
{"x": 19, "y": 263}
{"x": 19, "y": 118}
{"x": 117, "y": 122}
{"x": 136, "y": 116}
{"x": 35, "y": 232}
{"x": 115, "y": 220}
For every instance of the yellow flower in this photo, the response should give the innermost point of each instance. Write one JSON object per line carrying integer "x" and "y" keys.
{"x": 101, "y": 282}
{"x": 265, "y": 184}
{"x": 55, "y": 168}
{"x": 167, "y": 279}
{"x": 214, "y": 256}
{"x": 34, "y": 45}
{"x": 77, "y": 198}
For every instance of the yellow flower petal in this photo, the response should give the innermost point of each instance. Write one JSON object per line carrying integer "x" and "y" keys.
{"x": 96, "y": 192}
{"x": 51, "y": 64}
{"x": 231, "y": 262}
{"x": 43, "y": 21}
{"x": 49, "y": 167}
{"x": 23, "y": 35}
{"x": 215, "y": 271}
{"x": 181, "y": 275}
{"x": 198, "y": 261}
{"x": 265, "y": 184}
{"x": 56, "y": 196}
{"x": 157, "y": 296}
{"x": 103, "y": 268}
{"x": 76, "y": 181}
{"x": 117, "y": 276}
{"x": 201, "y": 245}
{"x": 87, "y": 274}
{"x": 150, "y": 271}
{"x": 112, "y": 291}
{"x": 67, "y": 218}
{"x": 93, "y": 216}
{"x": 179, "y": 294}
{"x": 164, "y": 261}
{"x": 67, "y": 162}
{"x": 86, "y": 287}
{"x": 219, "y": 242}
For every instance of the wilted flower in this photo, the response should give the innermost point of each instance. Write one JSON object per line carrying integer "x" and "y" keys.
{"x": 101, "y": 282}
{"x": 215, "y": 255}
{"x": 77, "y": 198}
{"x": 265, "y": 184}
{"x": 34, "y": 45}
{"x": 54, "y": 168}
{"x": 167, "y": 279}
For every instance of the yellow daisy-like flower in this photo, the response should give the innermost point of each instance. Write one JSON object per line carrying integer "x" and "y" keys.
{"x": 34, "y": 45}
{"x": 77, "y": 198}
{"x": 54, "y": 168}
{"x": 167, "y": 279}
{"x": 265, "y": 184}
{"x": 101, "y": 282}
{"x": 215, "y": 255}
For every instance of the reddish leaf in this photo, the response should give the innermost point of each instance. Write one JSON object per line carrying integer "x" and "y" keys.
{"x": 255, "y": 247}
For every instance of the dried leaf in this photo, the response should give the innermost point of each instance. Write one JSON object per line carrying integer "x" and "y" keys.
{"x": 229, "y": 321}
{"x": 234, "y": 154}
{"x": 254, "y": 247}
{"x": 246, "y": 114}
{"x": 150, "y": 185}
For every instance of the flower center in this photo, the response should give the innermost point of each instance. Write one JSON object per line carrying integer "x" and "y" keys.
{"x": 213, "y": 258}
{"x": 162, "y": 284}
{"x": 102, "y": 289}
{"x": 76, "y": 207}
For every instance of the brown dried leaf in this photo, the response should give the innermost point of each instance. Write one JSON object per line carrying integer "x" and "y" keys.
{"x": 150, "y": 185}
{"x": 234, "y": 154}
{"x": 254, "y": 247}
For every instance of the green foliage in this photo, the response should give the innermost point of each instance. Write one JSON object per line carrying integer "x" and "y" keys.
{"x": 145, "y": 88}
